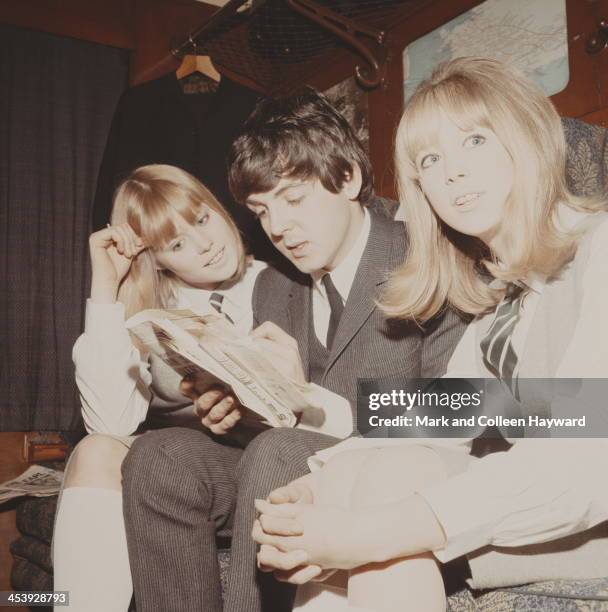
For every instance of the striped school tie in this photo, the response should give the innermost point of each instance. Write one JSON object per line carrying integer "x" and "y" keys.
{"x": 216, "y": 300}
{"x": 496, "y": 347}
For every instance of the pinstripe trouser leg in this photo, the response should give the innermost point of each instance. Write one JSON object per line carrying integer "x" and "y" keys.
{"x": 273, "y": 459}
{"x": 179, "y": 490}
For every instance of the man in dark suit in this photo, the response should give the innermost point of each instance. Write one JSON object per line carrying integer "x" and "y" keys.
{"x": 299, "y": 167}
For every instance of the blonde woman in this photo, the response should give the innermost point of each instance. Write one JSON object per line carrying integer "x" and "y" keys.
{"x": 495, "y": 233}
{"x": 170, "y": 244}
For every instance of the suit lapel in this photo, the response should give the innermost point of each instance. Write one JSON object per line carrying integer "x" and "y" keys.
{"x": 373, "y": 271}
{"x": 299, "y": 315}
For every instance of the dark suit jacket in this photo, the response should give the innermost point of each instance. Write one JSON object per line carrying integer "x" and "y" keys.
{"x": 156, "y": 123}
{"x": 366, "y": 345}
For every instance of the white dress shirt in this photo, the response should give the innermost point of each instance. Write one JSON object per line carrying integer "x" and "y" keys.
{"x": 237, "y": 298}
{"x": 113, "y": 379}
{"x": 342, "y": 277}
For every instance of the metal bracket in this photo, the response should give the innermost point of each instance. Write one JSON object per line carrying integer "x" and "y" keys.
{"x": 189, "y": 43}
{"x": 347, "y": 30}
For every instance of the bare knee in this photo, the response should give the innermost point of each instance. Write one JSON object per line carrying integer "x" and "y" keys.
{"x": 335, "y": 482}
{"x": 96, "y": 462}
{"x": 392, "y": 473}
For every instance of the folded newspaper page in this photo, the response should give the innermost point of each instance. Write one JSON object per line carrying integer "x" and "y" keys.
{"x": 37, "y": 481}
{"x": 209, "y": 349}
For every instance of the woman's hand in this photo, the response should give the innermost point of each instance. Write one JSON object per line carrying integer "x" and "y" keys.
{"x": 299, "y": 491}
{"x": 112, "y": 252}
{"x": 289, "y": 567}
{"x": 299, "y": 540}
{"x": 327, "y": 537}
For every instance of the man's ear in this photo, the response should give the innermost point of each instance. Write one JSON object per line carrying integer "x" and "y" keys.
{"x": 352, "y": 183}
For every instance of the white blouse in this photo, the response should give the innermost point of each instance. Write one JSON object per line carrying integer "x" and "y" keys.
{"x": 114, "y": 380}
{"x": 542, "y": 488}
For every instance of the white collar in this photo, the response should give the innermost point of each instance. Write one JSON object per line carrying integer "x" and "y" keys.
{"x": 536, "y": 281}
{"x": 344, "y": 273}
{"x": 237, "y": 294}
{"x": 567, "y": 219}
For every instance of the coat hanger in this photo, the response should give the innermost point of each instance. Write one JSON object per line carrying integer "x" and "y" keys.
{"x": 193, "y": 62}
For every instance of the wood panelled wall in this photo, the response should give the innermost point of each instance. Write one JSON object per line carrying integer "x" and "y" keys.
{"x": 109, "y": 22}
{"x": 146, "y": 27}
{"x": 585, "y": 97}
{"x": 149, "y": 27}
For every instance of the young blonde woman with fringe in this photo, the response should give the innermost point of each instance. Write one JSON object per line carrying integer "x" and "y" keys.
{"x": 495, "y": 233}
{"x": 170, "y": 244}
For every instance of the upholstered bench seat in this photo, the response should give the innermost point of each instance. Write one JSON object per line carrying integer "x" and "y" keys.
{"x": 32, "y": 570}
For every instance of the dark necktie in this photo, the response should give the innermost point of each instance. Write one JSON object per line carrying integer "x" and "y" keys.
{"x": 336, "y": 305}
{"x": 216, "y": 300}
{"x": 496, "y": 347}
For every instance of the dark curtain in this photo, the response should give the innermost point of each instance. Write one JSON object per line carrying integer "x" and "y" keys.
{"x": 57, "y": 97}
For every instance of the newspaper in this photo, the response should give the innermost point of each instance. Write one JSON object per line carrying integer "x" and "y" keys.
{"x": 37, "y": 481}
{"x": 210, "y": 350}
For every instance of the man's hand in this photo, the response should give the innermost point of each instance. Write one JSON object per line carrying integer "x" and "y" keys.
{"x": 281, "y": 349}
{"x": 217, "y": 408}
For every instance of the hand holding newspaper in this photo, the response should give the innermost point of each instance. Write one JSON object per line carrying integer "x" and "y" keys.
{"x": 208, "y": 349}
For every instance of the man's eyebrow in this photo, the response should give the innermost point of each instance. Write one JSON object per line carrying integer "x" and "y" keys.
{"x": 286, "y": 187}
{"x": 251, "y": 202}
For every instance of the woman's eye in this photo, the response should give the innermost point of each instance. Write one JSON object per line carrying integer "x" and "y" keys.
{"x": 203, "y": 219}
{"x": 474, "y": 141}
{"x": 259, "y": 213}
{"x": 294, "y": 201}
{"x": 428, "y": 160}
{"x": 177, "y": 246}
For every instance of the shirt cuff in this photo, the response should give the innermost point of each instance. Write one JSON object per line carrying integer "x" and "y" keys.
{"x": 462, "y": 514}
{"x": 333, "y": 415}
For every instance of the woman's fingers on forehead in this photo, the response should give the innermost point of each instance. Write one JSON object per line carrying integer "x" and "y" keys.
{"x": 128, "y": 244}
{"x": 119, "y": 238}
{"x": 136, "y": 239}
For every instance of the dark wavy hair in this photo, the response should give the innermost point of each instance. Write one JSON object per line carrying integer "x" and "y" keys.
{"x": 302, "y": 136}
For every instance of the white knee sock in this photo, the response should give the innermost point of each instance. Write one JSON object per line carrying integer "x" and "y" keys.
{"x": 90, "y": 556}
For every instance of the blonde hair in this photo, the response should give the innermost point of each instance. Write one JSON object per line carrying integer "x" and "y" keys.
{"x": 150, "y": 200}
{"x": 446, "y": 268}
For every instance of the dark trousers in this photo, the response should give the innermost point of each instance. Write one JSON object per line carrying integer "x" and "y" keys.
{"x": 181, "y": 488}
